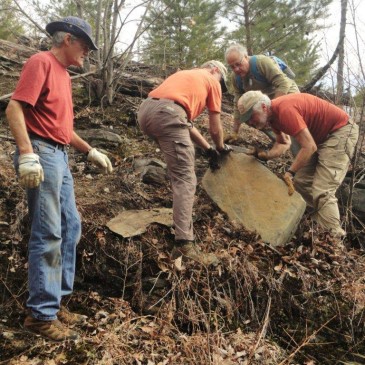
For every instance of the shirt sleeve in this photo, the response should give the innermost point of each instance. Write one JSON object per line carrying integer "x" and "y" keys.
{"x": 290, "y": 121}
{"x": 31, "y": 81}
{"x": 214, "y": 99}
{"x": 273, "y": 74}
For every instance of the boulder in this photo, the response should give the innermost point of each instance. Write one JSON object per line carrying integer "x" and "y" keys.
{"x": 250, "y": 194}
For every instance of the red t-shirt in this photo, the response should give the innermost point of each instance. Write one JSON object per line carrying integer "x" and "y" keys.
{"x": 294, "y": 112}
{"x": 45, "y": 86}
{"x": 193, "y": 89}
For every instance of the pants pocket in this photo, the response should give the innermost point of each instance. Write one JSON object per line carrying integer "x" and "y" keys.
{"x": 184, "y": 153}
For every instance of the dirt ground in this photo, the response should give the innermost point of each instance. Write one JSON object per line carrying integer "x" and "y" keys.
{"x": 302, "y": 303}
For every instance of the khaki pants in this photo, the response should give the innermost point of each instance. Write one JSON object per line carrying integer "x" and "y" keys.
{"x": 167, "y": 123}
{"x": 318, "y": 181}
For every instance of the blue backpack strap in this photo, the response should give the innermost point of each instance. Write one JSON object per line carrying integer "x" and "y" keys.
{"x": 254, "y": 70}
{"x": 239, "y": 84}
{"x": 280, "y": 62}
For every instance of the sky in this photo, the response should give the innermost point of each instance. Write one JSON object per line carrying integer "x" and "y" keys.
{"x": 354, "y": 42}
{"x": 328, "y": 37}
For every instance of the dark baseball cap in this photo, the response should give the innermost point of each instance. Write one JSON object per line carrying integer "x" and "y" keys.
{"x": 78, "y": 27}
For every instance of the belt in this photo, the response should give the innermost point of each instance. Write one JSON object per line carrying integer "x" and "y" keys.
{"x": 59, "y": 146}
{"x": 175, "y": 102}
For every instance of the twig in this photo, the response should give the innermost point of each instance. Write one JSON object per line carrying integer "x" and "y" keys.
{"x": 262, "y": 332}
{"x": 305, "y": 342}
{"x": 7, "y": 96}
{"x": 8, "y": 138}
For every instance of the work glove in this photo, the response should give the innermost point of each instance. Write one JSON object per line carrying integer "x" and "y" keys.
{"x": 288, "y": 178}
{"x": 258, "y": 153}
{"x": 230, "y": 138}
{"x": 100, "y": 159}
{"x": 225, "y": 151}
{"x": 213, "y": 158}
{"x": 30, "y": 170}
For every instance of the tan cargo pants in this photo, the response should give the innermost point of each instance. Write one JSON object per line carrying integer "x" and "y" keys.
{"x": 167, "y": 123}
{"x": 318, "y": 181}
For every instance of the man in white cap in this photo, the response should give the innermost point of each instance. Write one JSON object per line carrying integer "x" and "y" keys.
{"x": 167, "y": 116}
{"x": 40, "y": 116}
{"x": 327, "y": 138}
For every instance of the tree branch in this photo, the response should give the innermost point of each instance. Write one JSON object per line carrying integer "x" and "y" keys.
{"x": 324, "y": 69}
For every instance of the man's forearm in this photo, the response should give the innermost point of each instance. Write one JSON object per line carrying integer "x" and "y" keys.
{"x": 277, "y": 150}
{"x": 15, "y": 117}
{"x": 198, "y": 139}
{"x": 216, "y": 130}
{"x": 308, "y": 147}
{"x": 80, "y": 144}
{"x": 301, "y": 159}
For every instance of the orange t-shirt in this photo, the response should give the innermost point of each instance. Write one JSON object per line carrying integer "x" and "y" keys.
{"x": 294, "y": 112}
{"x": 193, "y": 89}
{"x": 45, "y": 86}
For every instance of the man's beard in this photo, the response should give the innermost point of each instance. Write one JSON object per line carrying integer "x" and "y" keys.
{"x": 262, "y": 120}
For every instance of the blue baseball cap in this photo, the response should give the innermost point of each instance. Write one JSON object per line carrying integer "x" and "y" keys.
{"x": 78, "y": 27}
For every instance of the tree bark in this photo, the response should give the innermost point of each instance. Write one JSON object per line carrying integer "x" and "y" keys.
{"x": 341, "y": 54}
{"x": 247, "y": 27}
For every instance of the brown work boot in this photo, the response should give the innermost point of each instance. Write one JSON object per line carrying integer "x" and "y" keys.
{"x": 69, "y": 318}
{"x": 189, "y": 250}
{"x": 52, "y": 330}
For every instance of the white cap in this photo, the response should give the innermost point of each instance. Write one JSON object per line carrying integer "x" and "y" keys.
{"x": 246, "y": 102}
{"x": 222, "y": 69}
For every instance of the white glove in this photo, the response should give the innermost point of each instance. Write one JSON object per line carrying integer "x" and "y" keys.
{"x": 100, "y": 159}
{"x": 30, "y": 170}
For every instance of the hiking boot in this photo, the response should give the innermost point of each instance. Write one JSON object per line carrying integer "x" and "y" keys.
{"x": 52, "y": 330}
{"x": 69, "y": 318}
{"x": 189, "y": 250}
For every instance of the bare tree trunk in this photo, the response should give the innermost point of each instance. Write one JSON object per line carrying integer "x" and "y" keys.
{"x": 106, "y": 46}
{"x": 341, "y": 54}
{"x": 97, "y": 35}
{"x": 80, "y": 14}
{"x": 113, "y": 75}
{"x": 247, "y": 27}
{"x": 358, "y": 149}
{"x": 110, "y": 62}
{"x": 79, "y": 8}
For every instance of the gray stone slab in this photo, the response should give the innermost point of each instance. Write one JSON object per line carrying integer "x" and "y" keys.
{"x": 135, "y": 222}
{"x": 250, "y": 194}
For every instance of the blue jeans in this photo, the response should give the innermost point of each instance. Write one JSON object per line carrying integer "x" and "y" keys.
{"x": 55, "y": 232}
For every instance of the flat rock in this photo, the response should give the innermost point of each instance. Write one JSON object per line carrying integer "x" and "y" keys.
{"x": 154, "y": 175}
{"x": 250, "y": 194}
{"x": 139, "y": 164}
{"x": 99, "y": 137}
{"x": 134, "y": 222}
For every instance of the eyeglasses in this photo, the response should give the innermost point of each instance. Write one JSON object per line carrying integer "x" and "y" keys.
{"x": 236, "y": 64}
{"x": 85, "y": 47}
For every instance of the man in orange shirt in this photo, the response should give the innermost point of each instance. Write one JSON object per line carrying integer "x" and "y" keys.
{"x": 166, "y": 116}
{"x": 327, "y": 138}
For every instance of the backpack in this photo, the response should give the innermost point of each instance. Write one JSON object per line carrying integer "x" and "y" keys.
{"x": 256, "y": 74}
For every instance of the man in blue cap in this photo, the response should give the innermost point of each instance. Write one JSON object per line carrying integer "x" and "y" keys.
{"x": 40, "y": 116}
